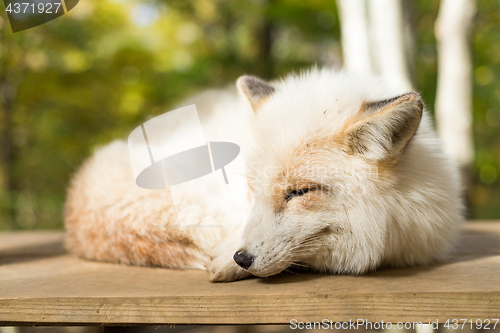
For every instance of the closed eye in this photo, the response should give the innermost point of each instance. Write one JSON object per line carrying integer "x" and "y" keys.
{"x": 297, "y": 193}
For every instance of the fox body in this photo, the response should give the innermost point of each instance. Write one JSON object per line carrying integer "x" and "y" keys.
{"x": 345, "y": 174}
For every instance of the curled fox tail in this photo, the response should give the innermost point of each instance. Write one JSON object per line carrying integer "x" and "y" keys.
{"x": 108, "y": 218}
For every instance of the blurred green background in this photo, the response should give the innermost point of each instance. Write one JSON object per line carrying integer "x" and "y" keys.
{"x": 94, "y": 74}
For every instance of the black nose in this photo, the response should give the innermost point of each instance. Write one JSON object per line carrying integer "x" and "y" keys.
{"x": 243, "y": 259}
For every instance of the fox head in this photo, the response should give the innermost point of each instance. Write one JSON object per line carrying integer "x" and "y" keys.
{"x": 326, "y": 174}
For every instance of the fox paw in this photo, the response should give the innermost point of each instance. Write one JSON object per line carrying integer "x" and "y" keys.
{"x": 220, "y": 269}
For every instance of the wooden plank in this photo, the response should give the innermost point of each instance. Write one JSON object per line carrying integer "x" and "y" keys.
{"x": 40, "y": 283}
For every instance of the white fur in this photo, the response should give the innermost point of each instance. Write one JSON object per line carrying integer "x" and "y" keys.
{"x": 368, "y": 214}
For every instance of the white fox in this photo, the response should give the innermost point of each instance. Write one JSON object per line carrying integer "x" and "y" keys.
{"x": 359, "y": 182}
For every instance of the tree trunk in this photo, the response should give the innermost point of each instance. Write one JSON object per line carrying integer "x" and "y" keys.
{"x": 264, "y": 37}
{"x": 354, "y": 34}
{"x": 409, "y": 37}
{"x": 387, "y": 27}
{"x": 454, "y": 83}
{"x": 7, "y": 96}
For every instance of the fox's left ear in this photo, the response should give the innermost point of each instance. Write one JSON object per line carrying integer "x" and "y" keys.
{"x": 384, "y": 128}
{"x": 255, "y": 90}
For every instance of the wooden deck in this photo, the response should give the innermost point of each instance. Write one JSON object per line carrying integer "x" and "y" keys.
{"x": 41, "y": 284}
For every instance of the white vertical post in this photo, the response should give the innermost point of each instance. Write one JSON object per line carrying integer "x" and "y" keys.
{"x": 454, "y": 84}
{"x": 355, "y": 39}
{"x": 387, "y": 30}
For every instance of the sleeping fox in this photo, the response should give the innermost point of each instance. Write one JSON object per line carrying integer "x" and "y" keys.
{"x": 359, "y": 181}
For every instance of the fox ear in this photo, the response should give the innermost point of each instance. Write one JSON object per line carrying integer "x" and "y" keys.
{"x": 385, "y": 127}
{"x": 255, "y": 90}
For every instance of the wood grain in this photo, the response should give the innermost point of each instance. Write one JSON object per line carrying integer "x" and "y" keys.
{"x": 40, "y": 283}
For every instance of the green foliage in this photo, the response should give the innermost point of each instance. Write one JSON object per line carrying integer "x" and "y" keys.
{"x": 485, "y": 192}
{"x": 92, "y": 75}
